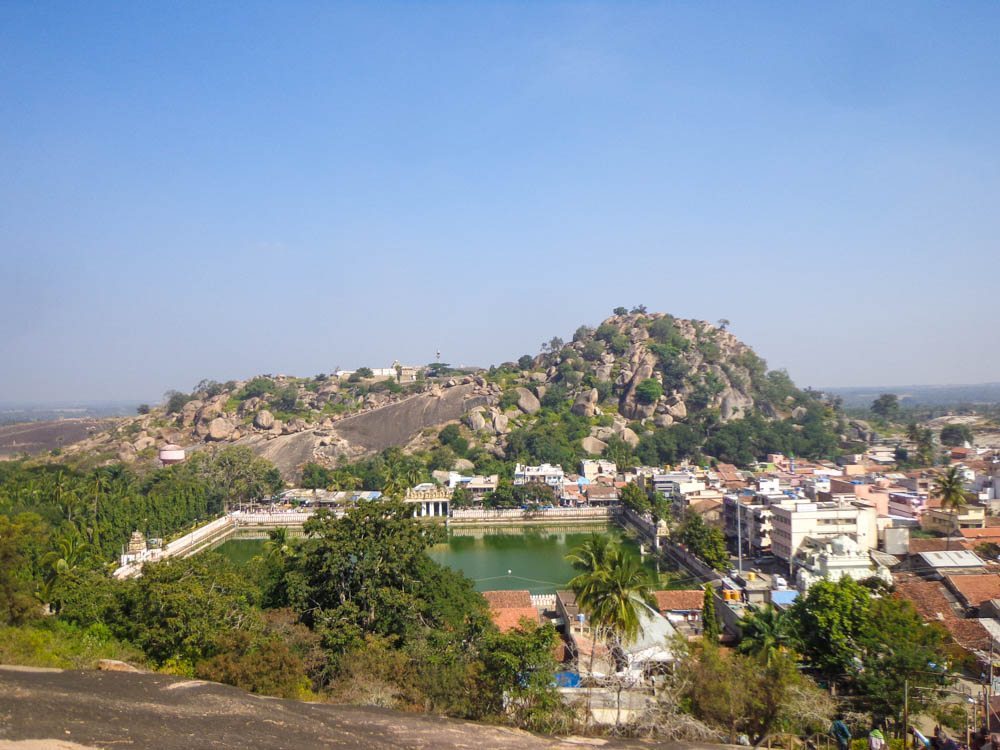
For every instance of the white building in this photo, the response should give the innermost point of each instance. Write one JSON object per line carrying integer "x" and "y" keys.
{"x": 748, "y": 522}
{"x": 545, "y": 473}
{"x": 835, "y": 558}
{"x": 429, "y": 500}
{"x": 793, "y": 521}
{"x": 477, "y": 485}
{"x": 593, "y": 468}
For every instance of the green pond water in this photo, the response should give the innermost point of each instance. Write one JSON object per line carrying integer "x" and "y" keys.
{"x": 535, "y": 557}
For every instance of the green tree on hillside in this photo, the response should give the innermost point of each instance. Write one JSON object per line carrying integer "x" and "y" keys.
{"x": 518, "y": 679}
{"x": 648, "y": 391}
{"x": 955, "y": 434}
{"x": 367, "y": 573}
{"x": 315, "y": 476}
{"x": 886, "y": 406}
{"x": 20, "y": 538}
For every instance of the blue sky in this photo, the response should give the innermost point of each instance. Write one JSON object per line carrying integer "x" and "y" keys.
{"x": 214, "y": 190}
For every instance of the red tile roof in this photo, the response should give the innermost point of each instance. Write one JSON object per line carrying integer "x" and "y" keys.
{"x": 508, "y": 619}
{"x": 990, "y": 533}
{"x": 600, "y": 491}
{"x": 976, "y": 589}
{"x": 929, "y": 545}
{"x": 508, "y": 599}
{"x": 930, "y": 598}
{"x": 509, "y": 608}
{"x": 679, "y": 601}
{"x": 969, "y": 634}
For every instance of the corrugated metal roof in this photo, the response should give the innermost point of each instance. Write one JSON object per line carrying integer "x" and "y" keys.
{"x": 952, "y": 559}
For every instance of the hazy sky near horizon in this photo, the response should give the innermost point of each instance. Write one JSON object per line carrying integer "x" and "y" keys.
{"x": 215, "y": 190}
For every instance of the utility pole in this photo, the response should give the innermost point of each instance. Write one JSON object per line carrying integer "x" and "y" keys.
{"x": 906, "y": 714}
{"x": 739, "y": 534}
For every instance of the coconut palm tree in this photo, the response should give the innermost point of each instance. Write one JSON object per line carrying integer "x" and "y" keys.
{"x": 277, "y": 545}
{"x": 766, "y": 633}
{"x": 71, "y": 552}
{"x": 949, "y": 487}
{"x": 613, "y": 587}
{"x": 591, "y": 558}
{"x": 618, "y": 596}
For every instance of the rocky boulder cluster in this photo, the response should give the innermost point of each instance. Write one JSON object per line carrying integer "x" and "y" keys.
{"x": 634, "y": 373}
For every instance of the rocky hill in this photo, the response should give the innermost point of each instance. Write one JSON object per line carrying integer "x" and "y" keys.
{"x": 633, "y": 375}
{"x": 89, "y": 710}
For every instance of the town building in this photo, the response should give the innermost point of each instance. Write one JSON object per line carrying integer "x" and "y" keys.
{"x": 429, "y": 500}
{"x": 508, "y": 609}
{"x": 951, "y": 521}
{"x": 747, "y": 521}
{"x": 590, "y": 469}
{"x": 682, "y": 608}
{"x": 478, "y": 485}
{"x": 601, "y": 494}
{"x": 545, "y": 473}
{"x": 834, "y": 558}
{"x": 793, "y": 521}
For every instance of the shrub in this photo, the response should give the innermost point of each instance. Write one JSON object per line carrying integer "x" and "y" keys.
{"x": 256, "y": 388}
{"x": 508, "y": 400}
{"x": 176, "y": 401}
{"x": 648, "y": 391}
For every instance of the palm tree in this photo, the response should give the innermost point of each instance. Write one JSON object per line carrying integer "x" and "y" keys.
{"x": 766, "y": 633}
{"x": 590, "y": 558}
{"x": 949, "y": 488}
{"x": 613, "y": 587}
{"x": 277, "y": 545}
{"x": 71, "y": 551}
{"x": 619, "y": 596}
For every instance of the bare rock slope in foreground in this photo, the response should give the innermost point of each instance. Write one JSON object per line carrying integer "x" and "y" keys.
{"x": 83, "y": 710}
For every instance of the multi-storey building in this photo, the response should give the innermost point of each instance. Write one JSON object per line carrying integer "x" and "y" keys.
{"x": 792, "y": 521}
{"x": 747, "y": 522}
{"x": 545, "y": 473}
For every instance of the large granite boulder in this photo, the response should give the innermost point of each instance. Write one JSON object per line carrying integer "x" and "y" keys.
{"x": 586, "y": 403}
{"x": 593, "y": 446}
{"x": 263, "y": 420}
{"x": 630, "y": 437}
{"x": 527, "y": 401}
{"x": 190, "y": 412}
{"x": 501, "y": 424}
{"x": 220, "y": 428}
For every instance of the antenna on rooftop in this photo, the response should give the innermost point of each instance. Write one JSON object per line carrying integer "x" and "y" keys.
{"x": 438, "y": 355}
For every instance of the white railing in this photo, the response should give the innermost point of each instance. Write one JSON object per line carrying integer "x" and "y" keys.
{"x": 271, "y": 519}
{"x": 492, "y": 514}
{"x": 543, "y": 601}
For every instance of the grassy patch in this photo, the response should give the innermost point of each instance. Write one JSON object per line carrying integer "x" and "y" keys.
{"x": 53, "y": 643}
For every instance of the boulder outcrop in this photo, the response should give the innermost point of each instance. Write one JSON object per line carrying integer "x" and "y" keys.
{"x": 527, "y": 401}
